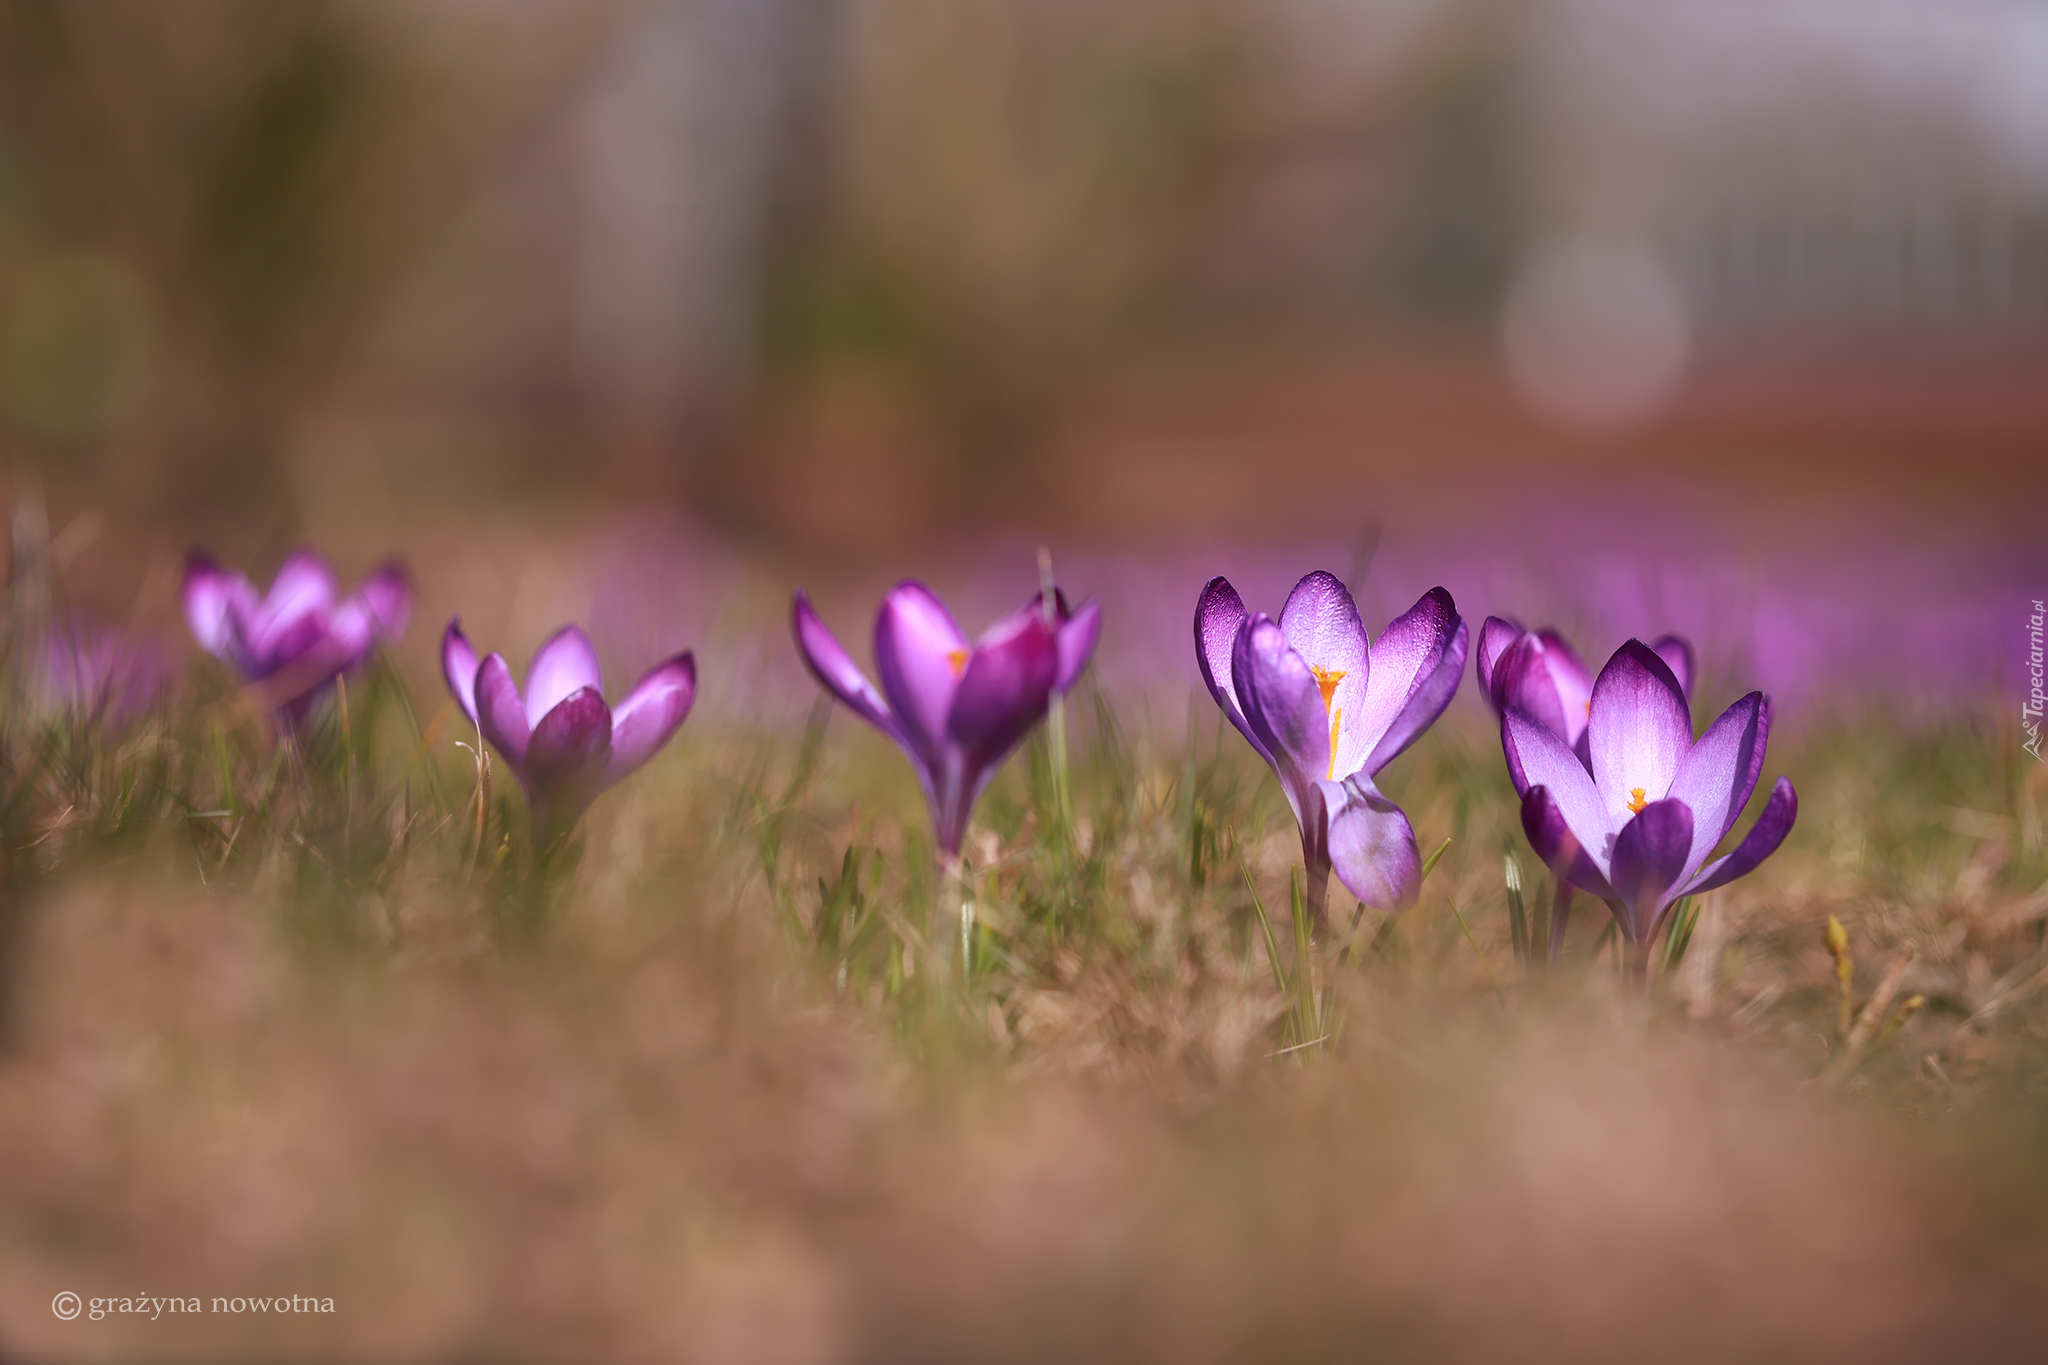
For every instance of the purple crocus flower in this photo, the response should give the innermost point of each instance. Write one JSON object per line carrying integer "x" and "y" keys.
{"x": 561, "y": 740}
{"x": 1539, "y": 673}
{"x": 98, "y": 675}
{"x": 1634, "y": 822}
{"x": 957, "y": 708}
{"x": 291, "y": 642}
{"x": 1327, "y": 710}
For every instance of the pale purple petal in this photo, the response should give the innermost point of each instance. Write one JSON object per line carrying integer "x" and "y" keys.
{"x": 1284, "y": 707}
{"x": 1425, "y": 704}
{"x": 386, "y": 598}
{"x": 643, "y": 721}
{"x": 569, "y": 752}
{"x": 1496, "y": 633}
{"x": 1404, "y": 659}
{"x": 835, "y": 669}
{"x": 499, "y": 713}
{"x": 566, "y": 662}
{"x": 216, "y": 601}
{"x": 1676, "y": 652}
{"x": 303, "y": 590}
{"x": 458, "y": 666}
{"x": 1219, "y": 619}
{"x": 1371, "y": 845}
{"x": 1562, "y": 851}
{"x": 1538, "y": 758}
{"x": 1649, "y": 859}
{"x": 1638, "y": 731}
{"x": 920, "y": 657}
{"x": 1321, "y": 624}
{"x": 1077, "y": 637}
{"x": 1781, "y": 809}
{"x": 1718, "y": 773}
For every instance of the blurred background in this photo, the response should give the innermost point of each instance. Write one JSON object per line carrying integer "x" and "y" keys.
{"x": 844, "y": 283}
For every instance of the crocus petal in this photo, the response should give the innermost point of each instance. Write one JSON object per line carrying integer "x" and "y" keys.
{"x": 1284, "y": 707}
{"x": 216, "y": 600}
{"x": 1538, "y": 758}
{"x": 1676, "y": 652}
{"x": 1321, "y": 624}
{"x": 1522, "y": 681}
{"x": 1717, "y": 774}
{"x": 386, "y": 598}
{"x": 835, "y": 669}
{"x": 1562, "y": 851}
{"x": 1638, "y": 731}
{"x": 920, "y": 657}
{"x": 1496, "y": 633}
{"x": 566, "y": 662}
{"x": 1425, "y": 704}
{"x": 458, "y": 666}
{"x": 1405, "y": 659}
{"x": 1004, "y": 692}
{"x": 1077, "y": 637}
{"x": 1371, "y": 844}
{"x": 303, "y": 587}
{"x": 1781, "y": 809}
{"x": 1572, "y": 680}
{"x": 569, "y": 752}
{"x": 499, "y": 714}
{"x": 643, "y": 721}
{"x": 1649, "y": 858}
{"x": 1219, "y": 619}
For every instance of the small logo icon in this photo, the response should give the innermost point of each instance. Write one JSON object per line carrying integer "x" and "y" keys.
{"x": 66, "y": 1305}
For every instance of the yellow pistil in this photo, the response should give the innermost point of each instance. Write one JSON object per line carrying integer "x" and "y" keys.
{"x": 1635, "y": 800}
{"x": 1327, "y": 679}
{"x": 957, "y": 658}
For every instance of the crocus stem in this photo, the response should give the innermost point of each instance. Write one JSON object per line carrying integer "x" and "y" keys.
{"x": 1056, "y": 705}
{"x": 1560, "y": 916}
{"x": 1316, "y": 889}
{"x": 953, "y": 880}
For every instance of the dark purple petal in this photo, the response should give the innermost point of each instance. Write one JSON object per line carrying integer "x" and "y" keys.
{"x": 835, "y": 669}
{"x": 1425, "y": 704}
{"x": 1550, "y": 835}
{"x": 1538, "y": 758}
{"x": 1284, "y": 707}
{"x": 643, "y": 721}
{"x": 1676, "y": 652}
{"x": 458, "y": 666}
{"x": 216, "y": 601}
{"x": 1522, "y": 681}
{"x": 1077, "y": 636}
{"x": 1005, "y": 691}
{"x": 500, "y": 715}
{"x": 566, "y": 662}
{"x": 1781, "y": 809}
{"x": 1371, "y": 844}
{"x": 568, "y": 754}
{"x": 1718, "y": 773}
{"x": 920, "y": 657}
{"x": 1649, "y": 858}
{"x": 1496, "y": 633}
{"x": 1219, "y": 619}
{"x": 1404, "y": 660}
{"x": 1639, "y": 730}
{"x": 1572, "y": 680}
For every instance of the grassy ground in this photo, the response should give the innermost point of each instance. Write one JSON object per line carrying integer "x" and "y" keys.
{"x": 734, "y": 1078}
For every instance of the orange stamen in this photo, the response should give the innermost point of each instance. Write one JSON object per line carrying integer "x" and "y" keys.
{"x": 957, "y": 658}
{"x": 1635, "y": 800}
{"x": 1327, "y": 680}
